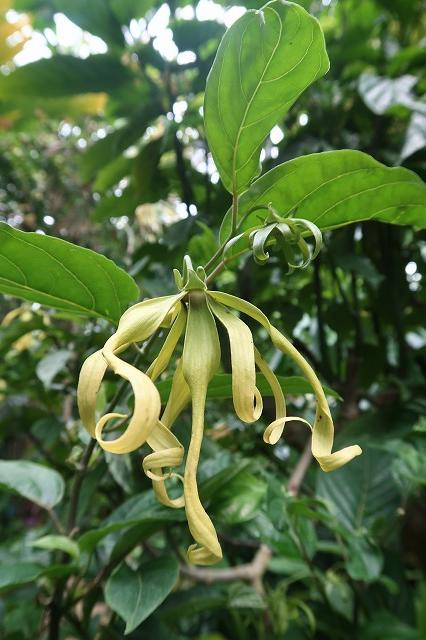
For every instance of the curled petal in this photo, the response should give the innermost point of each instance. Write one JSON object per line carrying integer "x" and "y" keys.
{"x": 178, "y": 399}
{"x": 323, "y": 428}
{"x": 145, "y": 414}
{"x": 91, "y": 376}
{"x": 247, "y": 399}
{"x": 200, "y": 361}
{"x": 274, "y": 431}
{"x": 258, "y": 240}
{"x": 168, "y": 452}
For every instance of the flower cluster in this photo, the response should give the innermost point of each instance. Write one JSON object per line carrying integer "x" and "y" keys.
{"x": 194, "y": 313}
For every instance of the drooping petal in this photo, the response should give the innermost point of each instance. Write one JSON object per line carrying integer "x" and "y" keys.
{"x": 274, "y": 431}
{"x": 143, "y": 319}
{"x": 162, "y": 360}
{"x": 91, "y": 376}
{"x": 179, "y": 397}
{"x": 168, "y": 452}
{"x": 200, "y": 361}
{"x": 146, "y": 410}
{"x": 247, "y": 399}
{"x": 323, "y": 428}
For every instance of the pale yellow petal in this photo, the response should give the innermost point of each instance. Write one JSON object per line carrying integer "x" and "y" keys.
{"x": 91, "y": 376}
{"x": 146, "y": 410}
{"x": 143, "y": 319}
{"x": 274, "y": 431}
{"x": 169, "y": 345}
{"x": 323, "y": 428}
{"x": 247, "y": 399}
{"x": 200, "y": 361}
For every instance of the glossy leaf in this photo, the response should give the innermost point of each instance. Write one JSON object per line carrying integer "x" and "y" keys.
{"x": 220, "y": 388}
{"x": 264, "y": 62}
{"x": 336, "y": 188}
{"x": 32, "y": 481}
{"x": 62, "y": 275}
{"x": 363, "y": 493}
{"x": 135, "y": 595}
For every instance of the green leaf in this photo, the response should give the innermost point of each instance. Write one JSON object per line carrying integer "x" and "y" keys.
{"x": 220, "y": 387}
{"x": 363, "y": 493}
{"x": 239, "y": 500}
{"x": 15, "y": 575}
{"x": 135, "y": 595}
{"x": 63, "y": 543}
{"x": 64, "y": 75}
{"x": 49, "y": 366}
{"x": 365, "y": 560}
{"x": 33, "y": 481}
{"x": 244, "y": 596}
{"x": 62, "y": 275}
{"x": 95, "y": 16}
{"x": 380, "y": 93}
{"x": 264, "y": 62}
{"x": 335, "y": 188}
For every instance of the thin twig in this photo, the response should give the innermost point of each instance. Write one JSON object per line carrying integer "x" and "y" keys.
{"x": 251, "y": 572}
{"x": 300, "y": 470}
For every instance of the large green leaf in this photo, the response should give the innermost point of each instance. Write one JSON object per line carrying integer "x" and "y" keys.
{"x": 335, "y": 188}
{"x": 64, "y": 75}
{"x": 37, "y": 483}
{"x": 220, "y": 387}
{"x": 362, "y": 493}
{"x": 135, "y": 595}
{"x": 264, "y": 62}
{"x": 61, "y": 275}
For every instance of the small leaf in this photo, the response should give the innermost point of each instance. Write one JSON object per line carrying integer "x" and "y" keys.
{"x": 264, "y": 62}
{"x": 62, "y": 275}
{"x": 49, "y": 366}
{"x": 135, "y": 595}
{"x": 63, "y": 543}
{"x": 335, "y": 188}
{"x": 37, "y": 483}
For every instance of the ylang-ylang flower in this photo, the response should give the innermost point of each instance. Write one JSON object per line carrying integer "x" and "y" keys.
{"x": 194, "y": 313}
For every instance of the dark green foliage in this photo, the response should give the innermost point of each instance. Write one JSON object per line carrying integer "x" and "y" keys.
{"x": 81, "y": 528}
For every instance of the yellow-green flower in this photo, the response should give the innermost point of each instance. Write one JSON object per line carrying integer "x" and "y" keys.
{"x": 195, "y": 312}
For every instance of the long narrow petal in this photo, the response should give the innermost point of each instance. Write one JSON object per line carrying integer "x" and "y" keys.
{"x": 323, "y": 429}
{"x": 247, "y": 399}
{"x": 91, "y": 376}
{"x": 179, "y": 397}
{"x": 146, "y": 410}
{"x": 200, "y": 361}
{"x": 162, "y": 360}
{"x": 274, "y": 431}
